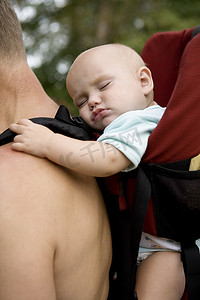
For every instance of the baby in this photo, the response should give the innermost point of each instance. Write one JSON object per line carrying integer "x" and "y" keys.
{"x": 113, "y": 90}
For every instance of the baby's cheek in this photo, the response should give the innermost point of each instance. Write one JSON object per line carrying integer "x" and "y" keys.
{"x": 85, "y": 116}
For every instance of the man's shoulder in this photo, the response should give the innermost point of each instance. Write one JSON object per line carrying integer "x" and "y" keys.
{"x": 30, "y": 175}
{"x": 31, "y": 188}
{"x": 22, "y": 162}
{"x": 26, "y": 175}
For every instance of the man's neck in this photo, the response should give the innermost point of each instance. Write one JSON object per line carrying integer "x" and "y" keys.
{"x": 22, "y": 96}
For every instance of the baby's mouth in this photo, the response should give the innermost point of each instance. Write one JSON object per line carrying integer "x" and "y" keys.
{"x": 98, "y": 113}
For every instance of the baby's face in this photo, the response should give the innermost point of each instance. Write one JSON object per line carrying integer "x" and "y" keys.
{"x": 103, "y": 87}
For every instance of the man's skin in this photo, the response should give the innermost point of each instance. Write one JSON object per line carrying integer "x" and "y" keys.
{"x": 54, "y": 231}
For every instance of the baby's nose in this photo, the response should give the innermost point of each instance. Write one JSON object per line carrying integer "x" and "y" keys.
{"x": 93, "y": 101}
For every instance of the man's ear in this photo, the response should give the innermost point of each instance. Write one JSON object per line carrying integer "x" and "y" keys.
{"x": 145, "y": 77}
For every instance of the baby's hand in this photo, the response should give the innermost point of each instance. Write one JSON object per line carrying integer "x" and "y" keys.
{"x": 32, "y": 138}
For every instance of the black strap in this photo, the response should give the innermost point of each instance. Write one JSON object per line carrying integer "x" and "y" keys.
{"x": 63, "y": 123}
{"x": 125, "y": 271}
{"x": 191, "y": 261}
{"x": 139, "y": 210}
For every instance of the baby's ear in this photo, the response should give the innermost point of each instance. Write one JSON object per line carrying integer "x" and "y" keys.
{"x": 146, "y": 80}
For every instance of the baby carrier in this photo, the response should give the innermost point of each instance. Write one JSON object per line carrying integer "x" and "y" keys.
{"x": 165, "y": 200}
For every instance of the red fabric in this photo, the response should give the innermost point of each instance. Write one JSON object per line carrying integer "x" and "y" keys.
{"x": 177, "y": 135}
{"x": 162, "y": 54}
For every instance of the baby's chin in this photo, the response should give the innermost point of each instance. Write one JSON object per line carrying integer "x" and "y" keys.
{"x": 108, "y": 120}
{"x": 103, "y": 123}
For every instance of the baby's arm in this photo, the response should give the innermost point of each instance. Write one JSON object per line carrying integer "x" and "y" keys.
{"x": 87, "y": 157}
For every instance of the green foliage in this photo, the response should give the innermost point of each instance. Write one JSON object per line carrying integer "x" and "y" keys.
{"x": 56, "y": 31}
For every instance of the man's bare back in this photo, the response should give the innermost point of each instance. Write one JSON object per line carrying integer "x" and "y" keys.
{"x": 54, "y": 231}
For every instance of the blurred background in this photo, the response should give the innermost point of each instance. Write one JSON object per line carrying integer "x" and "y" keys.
{"x": 56, "y": 31}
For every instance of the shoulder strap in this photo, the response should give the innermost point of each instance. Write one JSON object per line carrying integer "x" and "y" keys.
{"x": 139, "y": 210}
{"x": 63, "y": 123}
{"x": 191, "y": 262}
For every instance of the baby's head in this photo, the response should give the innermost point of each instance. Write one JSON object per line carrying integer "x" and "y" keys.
{"x": 109, "y": 80}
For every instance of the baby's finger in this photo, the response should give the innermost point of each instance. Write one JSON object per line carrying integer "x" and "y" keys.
{"x": 17, "y": 147}
{"x": 25, "y": 122}
{"x": 16, "y": 128}
{"x": 18, "y": 139}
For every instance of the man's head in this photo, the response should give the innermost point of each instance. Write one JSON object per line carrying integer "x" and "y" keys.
{"x": 109, "y": 80}
{"x": 11, "y": 41}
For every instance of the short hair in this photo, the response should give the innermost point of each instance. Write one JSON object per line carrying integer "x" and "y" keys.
{"x": 11, "y": 40}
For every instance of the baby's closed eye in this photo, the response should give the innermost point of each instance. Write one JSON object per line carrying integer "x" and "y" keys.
{"x": 104, "y": 84}
{"x": 81, "y": 101}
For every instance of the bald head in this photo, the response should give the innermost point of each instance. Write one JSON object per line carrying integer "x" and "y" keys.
{"x": 120, "y": 52}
